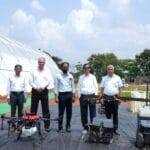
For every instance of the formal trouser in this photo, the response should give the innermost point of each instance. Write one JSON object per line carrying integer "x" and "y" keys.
{"x": 86, "y": 103}
{"x": 65, "y": 102}
{"x": 35, "y": 98}
{"x": 111, "y": 109}
{"x": 16, "y": 101}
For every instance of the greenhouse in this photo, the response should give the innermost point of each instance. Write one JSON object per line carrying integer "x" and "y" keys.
{"x": 12, "y": 53}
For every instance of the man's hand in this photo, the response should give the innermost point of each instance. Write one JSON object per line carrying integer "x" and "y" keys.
{"x": 56, "y": 99}
{"x": 73, "y": 98}
{"x": 8, "y": 101}
{"x": 78, "y": 97}
{"x": 117, "y": 99}
{"x": 25, "y": 97}
{"x": 100, "y": 99}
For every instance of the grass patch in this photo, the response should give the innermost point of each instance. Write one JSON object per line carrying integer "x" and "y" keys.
{"x": 126, "y": 94}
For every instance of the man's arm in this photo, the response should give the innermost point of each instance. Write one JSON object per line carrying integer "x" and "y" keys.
{"x": 102, "y": 91}
{"x": 25, "y": 88}
{"x": 102, "y": 87}
{"x": 73, "y": 90}
{"x": 120, "y": 89}
{"x": 31, "y": 81}
{"x": 120, "y": 86}
{"x": 56, "y": 89}
{"x": 79, "y": 87}
{"x": 50, "y": 84}
{"x": 95, "y": 85}
{"x": 73, "y": 85}
{"x": 8, "y": 91}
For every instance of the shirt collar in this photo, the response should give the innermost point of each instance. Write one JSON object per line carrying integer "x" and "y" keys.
{"x": 111, "y": 76}
{"x": 40, "y": 70}
{"x": 87, "y": 75}
{"x": 67, "y": 74}
{"x": 17, "y": 76}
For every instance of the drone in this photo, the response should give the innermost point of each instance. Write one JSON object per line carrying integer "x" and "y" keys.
{"x": 101, "y": 130}
{"x": 25, "y": 126}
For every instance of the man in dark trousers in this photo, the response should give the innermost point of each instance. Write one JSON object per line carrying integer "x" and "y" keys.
{"x": 16, "y": 91}
{"x": 64, "y": 90}
{"x": 41, "y": 79}
{"x": 87, "y": 89}
{"x": 110, "y": 89}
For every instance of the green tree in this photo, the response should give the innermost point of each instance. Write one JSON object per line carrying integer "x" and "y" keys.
{"x": 99, "y": 63}
{"x": 56, "y": 59}
{"x": 143, "y": 62}
{"x": 78, "y": 71}
{"x": 129, "y": 69}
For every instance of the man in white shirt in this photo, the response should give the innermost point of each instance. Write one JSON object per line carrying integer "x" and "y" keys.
{"x": 41, "y": 79}
{"x": 16, "y": 91}
{"x": 87, "y": 88}
{"x": 110, "y": 89}
{"x": 64, "y": 90}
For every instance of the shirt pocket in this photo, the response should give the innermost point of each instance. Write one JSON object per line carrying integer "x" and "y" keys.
{"x": 115, "y": 84}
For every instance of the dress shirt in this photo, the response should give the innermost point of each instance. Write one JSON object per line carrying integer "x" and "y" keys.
{"x": 41, "y": 79}
{"x": 64, "y": 83}
{"x": 16, "y": 84}
{"x": 87, "y": 85}
{"x": 111, "y": 85}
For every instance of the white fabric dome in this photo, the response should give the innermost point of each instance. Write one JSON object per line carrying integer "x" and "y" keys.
{"x": 12, "y": 53}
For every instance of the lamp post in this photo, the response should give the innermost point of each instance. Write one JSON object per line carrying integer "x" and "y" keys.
{"x": 147, "y": 88}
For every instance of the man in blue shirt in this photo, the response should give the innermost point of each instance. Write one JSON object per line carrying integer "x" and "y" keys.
{"x": 64, "y": 90}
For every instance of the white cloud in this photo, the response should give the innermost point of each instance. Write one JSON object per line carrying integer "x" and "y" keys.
{"x": 23, "y": 27}
{"x": 37, "y": 5}
{"x": 4, "y": 30}
{"x": 52, "y": 34}
{"x": 45, "y": 33}
{"x": 122, "y": 6}
{"x": 81, "y": 19}
{"x": 21, "y": 16}
{"x": 89, "y": 5}
{"x": 86, "y": 28}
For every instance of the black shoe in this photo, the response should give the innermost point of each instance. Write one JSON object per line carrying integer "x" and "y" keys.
{"x": 68, "y": 129}
{"x": 116, "y": 133}
{"x": 47, "y": 129}
{"x": 60, "y": 129}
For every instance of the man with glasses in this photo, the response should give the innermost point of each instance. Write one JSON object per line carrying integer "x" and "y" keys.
{"x": 110, "y": 89}
{"x": 87, "y": 88}
{"x": 41, "y": 79}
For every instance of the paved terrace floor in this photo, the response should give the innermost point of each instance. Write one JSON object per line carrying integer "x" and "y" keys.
{"x": 73, "y": 140}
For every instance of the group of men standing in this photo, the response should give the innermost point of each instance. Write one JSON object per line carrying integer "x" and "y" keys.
{"x": 63, "y": 85}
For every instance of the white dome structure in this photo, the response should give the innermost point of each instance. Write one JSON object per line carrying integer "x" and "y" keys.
{"x": 12, "y": 53}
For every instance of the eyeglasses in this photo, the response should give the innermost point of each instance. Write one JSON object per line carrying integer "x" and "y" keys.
{"x": 86, "y": 68}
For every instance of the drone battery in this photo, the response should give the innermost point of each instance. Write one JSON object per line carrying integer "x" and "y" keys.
{"x": 107, "y": 123}
{"x": 28, "y": 132}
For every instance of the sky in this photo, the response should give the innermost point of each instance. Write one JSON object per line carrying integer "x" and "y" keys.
{"x": 75, "y": 29}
